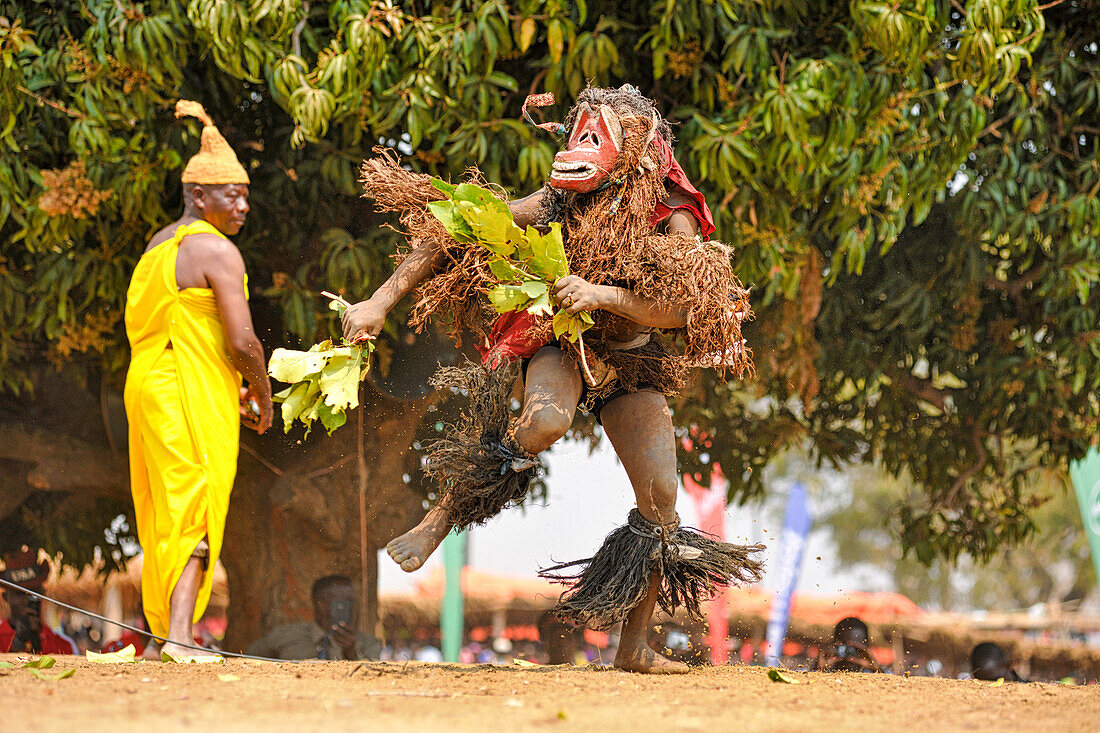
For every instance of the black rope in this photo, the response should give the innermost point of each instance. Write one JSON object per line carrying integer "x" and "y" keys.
{"x": 136, "y": 630}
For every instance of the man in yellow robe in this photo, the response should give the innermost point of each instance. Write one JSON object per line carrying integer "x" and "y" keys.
{"x": 192, "y": 339}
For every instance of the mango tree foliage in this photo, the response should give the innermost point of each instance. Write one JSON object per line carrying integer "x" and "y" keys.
{"x": 822, "y": 133}
{"x": 950, "y": 334}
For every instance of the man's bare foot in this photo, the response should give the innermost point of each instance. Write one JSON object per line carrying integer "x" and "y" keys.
{"x": 152, "y": 652}
{"x": 411, "y": 549}
{"x": 640, "y": 658}
{"x": 177, "y": 652}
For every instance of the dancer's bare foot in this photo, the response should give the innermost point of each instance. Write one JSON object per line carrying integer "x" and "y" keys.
{"x": 639, "y": 657}
{"x": 152, "y": 651}
{"x": 634, "y": 654}
{"x": 411, "y": 549}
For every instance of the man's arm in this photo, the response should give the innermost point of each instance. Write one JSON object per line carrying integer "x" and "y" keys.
{"x": 577, "y": 294}
{"x": 224, "y": 271}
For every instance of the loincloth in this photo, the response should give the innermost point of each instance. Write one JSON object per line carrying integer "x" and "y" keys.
{"x": 650, "y": 366}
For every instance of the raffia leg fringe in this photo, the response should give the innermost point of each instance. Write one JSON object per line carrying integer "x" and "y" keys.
{"x": 479, "y": 467}
{"x": 615, "y": 580}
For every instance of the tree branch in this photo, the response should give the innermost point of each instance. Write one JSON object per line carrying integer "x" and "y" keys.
{"x": 50, "y": 103}
{"x": 63, "y": 463}
{"x": 296, "y": 34}
{"x": 983, "y": 457}
{"x": 921, "y": 389}
{"x": 1016, "y": 285}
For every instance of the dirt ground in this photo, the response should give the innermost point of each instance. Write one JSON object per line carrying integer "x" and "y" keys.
{"x": 436, "y": 697}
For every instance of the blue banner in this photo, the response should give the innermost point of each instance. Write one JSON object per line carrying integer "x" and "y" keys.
{"x": 796, "y": 527}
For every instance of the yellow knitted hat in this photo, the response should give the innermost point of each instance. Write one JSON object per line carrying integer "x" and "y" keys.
{"x": 215, "y": 163}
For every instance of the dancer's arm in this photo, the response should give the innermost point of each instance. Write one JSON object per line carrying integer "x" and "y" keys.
{"x": 583, "y": 295}
{"x": 367, "y": 317}
{"x": 525, "y": 211}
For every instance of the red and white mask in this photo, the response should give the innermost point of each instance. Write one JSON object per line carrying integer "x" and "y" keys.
{"x": 591, "y": 152}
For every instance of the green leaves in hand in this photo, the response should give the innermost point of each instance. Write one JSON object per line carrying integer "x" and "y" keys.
{"x": 527, "y": 263}
{"x": 324, "y": 382}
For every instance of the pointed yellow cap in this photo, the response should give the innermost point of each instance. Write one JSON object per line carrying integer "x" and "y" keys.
{"x": 215, "y": 163}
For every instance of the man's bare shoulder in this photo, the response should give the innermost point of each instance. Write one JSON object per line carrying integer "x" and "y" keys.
{"x": 163, "y": 235}
{"x": 210, "y": 247}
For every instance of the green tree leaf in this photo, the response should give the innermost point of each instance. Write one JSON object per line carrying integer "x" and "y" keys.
{"x": 456, "y": 226}
{"x": 43, "y": 662}
{"x": 548, "y": 259}
{"x": 301, "y": 397}
{"x": 330, "y": 417}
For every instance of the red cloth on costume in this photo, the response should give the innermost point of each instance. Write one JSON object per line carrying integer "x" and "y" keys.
{"x": 698, "y": 204}
{"x": 51, "y": 641}
{"x": 511, "y": 338}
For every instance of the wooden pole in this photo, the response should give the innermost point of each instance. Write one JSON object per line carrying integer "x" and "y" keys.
{"x": 452, "y": 617}
{"x": 361, "y": 463}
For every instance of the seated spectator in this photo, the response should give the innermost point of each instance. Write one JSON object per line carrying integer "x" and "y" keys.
{"x": 328, "y": 636}
{"x": 675, "y": 642}
{"x": 428, "y": 652}
{"x": 851, "y": 648}
{"x": 989, "y": 662}
{"x": 560, "y": 639}
{"x": 23, "y": 630}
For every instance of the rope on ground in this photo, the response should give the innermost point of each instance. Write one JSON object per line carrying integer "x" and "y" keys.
{"x": 136, "y": 630}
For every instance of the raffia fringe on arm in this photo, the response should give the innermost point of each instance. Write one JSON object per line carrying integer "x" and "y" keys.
{"x": 457, "y": 292}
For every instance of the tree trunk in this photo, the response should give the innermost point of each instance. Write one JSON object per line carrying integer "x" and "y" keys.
{"x": 294, "y": 515}
{"x": 285, "y": 530}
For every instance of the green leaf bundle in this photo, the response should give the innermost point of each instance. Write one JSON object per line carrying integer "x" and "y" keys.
{"x": 324, "y": 381}
{"x": 527, "y": 263}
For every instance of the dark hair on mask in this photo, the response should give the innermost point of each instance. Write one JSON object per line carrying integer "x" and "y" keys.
{"x": 627, "y": 101}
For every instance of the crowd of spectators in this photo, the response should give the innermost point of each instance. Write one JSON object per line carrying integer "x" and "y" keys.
{"x": 330, "y": 635}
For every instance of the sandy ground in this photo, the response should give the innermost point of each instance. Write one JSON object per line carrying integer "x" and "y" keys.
{"x": 435, "y": 697}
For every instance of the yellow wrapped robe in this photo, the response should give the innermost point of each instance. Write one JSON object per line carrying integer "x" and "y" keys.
{"x": 182, "y": 404}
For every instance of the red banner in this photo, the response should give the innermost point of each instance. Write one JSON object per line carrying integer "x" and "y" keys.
{"x": 710, "y": 507}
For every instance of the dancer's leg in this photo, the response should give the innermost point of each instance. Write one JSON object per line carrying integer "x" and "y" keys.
{"x": 639, "y": 427}
{"x": 550, "y": 397}
{"x": 411, "y": 549}
{"x": 551, "y": 392}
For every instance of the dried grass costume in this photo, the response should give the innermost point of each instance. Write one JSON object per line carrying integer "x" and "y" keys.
{"x": 612, "y": 237}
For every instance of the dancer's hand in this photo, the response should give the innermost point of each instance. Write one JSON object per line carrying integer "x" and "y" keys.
{"x": 575, "y": 294}
{"x": 363, "y": 320}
